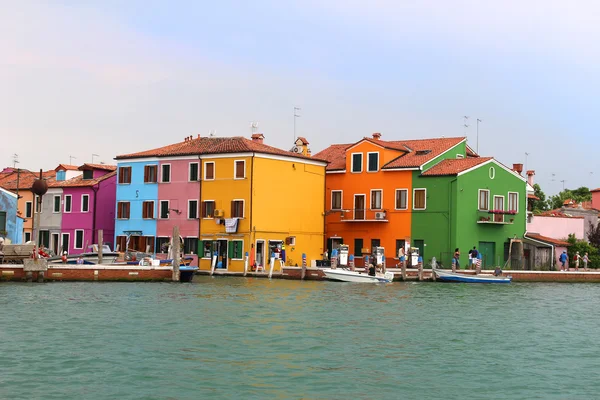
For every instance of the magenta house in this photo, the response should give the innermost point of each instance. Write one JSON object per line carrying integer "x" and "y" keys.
{"x": 88, "y": 205}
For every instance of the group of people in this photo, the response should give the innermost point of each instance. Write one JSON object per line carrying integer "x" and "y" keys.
{"x": 564, "y": 261}
{"x": 474, "y": 258}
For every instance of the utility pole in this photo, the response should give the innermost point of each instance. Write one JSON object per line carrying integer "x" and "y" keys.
{"x": 295, "y": 116}
{"x": 563, "y": 182}
{"x": 478, "y": 121}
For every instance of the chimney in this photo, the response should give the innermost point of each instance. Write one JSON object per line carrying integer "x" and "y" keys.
{"x": 258, "y": 137}
{"x": 198, "y": 136}
{"x": 376, "y": 135}
{"x": 518, "y": 168}
{"x": 530, "y": 174}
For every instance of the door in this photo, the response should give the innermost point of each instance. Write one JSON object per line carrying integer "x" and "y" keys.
{"x": 221, "y": 249}
{"x": 55, "y": 243}
{"x": 260, "y": 253}
{"x": 420, "y": 244}
{"x": 65, "y": 242}
{"x": 488, "y": 253}
{"x": 359, "y": 206}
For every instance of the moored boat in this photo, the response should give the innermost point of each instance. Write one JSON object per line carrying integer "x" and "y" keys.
{"x": 186, "y": 273}
{"x": 449, "y": 276}
{"x": 345, "y": 275}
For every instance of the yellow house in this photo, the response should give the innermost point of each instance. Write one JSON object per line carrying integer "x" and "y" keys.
{"x": 259, "y": 200}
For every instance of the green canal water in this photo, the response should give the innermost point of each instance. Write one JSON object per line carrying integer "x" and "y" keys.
{"x": 236, "y": 338}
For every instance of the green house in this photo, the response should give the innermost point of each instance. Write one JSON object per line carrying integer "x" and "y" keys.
{"x": 469, "y": 201}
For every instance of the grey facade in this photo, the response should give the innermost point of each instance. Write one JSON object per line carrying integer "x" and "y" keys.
{"x": 51, "y": 220}
{"x": 589, "y": 217}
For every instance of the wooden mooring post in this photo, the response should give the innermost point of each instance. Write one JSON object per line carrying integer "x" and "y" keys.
{"x": 100, "y": 242}
{"x": 403, "y": 269}
{"x": 176, "y": 248}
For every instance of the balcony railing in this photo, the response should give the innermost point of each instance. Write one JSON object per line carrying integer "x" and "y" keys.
{"x": 361, "y": 215}
{"x": 498, "y": 217}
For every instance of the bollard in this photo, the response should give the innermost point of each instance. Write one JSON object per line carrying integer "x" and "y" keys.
{"x": 303, "y": 266}
{"x": 433, "y": 266}
{"x": 351, "y": 262}
{"x": 478, "y": 266}
{"x": 366, "y": 264}
{"x": 403, "y": 267}
{"x": 272, "y": 265}
{"x": 246, "y": 264}
{"x": 383, "y": 265}
{"x": 214, "y": 262}
{"x": 420, "y": 266}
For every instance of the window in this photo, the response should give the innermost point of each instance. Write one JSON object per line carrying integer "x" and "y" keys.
{"x": 44, "y": 238}
{"x": 208, "y": 209}
{"x": 148, "y": 210}
{"x": 513, "y": 201}
{"x": 68, "y": 203}
{"x": 150, "y": 173}
{"x": 162, "y": 245}
{"x": 193, "y": 172}
{"x": 419, "y": 201}
{"x": 123, "y": 210}
{"x": 372, "y": 162}
{"x": 28, "y": 209}
{"x": 206, "y": 246}
{"x": 85, "y": 202}
{"x": 38, "y": 204}
{"x": 78, "y": 239}
{"x": 56, "y": 208}
{"x": 357, "y": 162}
{"x": 484, "y": 200}
{"x": 3, "y": 221}
{"x": 336, "y": 199}
{"x": 376, "y": 196}
{"x": 190, "y": 245}
{"x": 88, "y": 174}
{"x": 209, "y": 171}
{"x": 164, "y": 209}
{"x": 401, "y": 199}
{"x": 65, "y": 240}
{"x": 458, "y": 156}
{"x": 27, "y": 237}
{"x": 166, "y": 173}
{"x": 358, "y": 245}
{"x": 237, "y": 209}
{"x": 240, "y": 169}
{"x": 236, "y": 250}
{"x": 499, "y": 205}
{"x": 121, "y": 243}
{"x": 375, "y": 243}
{"x": 124, "y": 175}
{"x": 192, "y": 209}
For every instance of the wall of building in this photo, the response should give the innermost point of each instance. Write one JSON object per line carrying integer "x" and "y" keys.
{"x": 8, "y": 204}
{"x": 557, "y": 227}
{"x": 77, "y": 219}
{"x": 590, "y": 217}
{"x": 105, "y": 210}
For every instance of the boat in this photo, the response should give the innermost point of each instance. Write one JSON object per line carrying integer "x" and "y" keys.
{"x": 449, "y": 276}
{"x": 89, "y": 257}
{"x": 186, "y": 273}
{"x": 345, "y": 275}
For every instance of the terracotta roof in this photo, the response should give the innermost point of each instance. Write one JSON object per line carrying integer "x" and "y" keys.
{"x": 532, "y": 196}
{"x": 471, "y": 153}
{"x": 455, "y": 166}
{"x": 25, "y": 179}
{"x": 214, "y": 145}
{"x": 546, "y": 239}
{"x": 78, "y": 181}
{"x": 103, "y": 167}
{"x": 595, "y": 190}
{"x": 557, "y": 213}
{"x": 303, "y": 140}
{"x": 66, "y": 167}
{"x": 413, "y": 153}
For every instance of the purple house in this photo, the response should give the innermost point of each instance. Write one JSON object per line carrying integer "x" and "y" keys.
{"x": 88, "y": 205}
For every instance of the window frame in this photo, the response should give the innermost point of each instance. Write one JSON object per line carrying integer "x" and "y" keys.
{"x": 37, "y": 204}
{"x": 358, "y": 252}
{"x": 243, "y": 208}
{"x": 368, "y": 161}
{"x": 83, "y": 174}
{"x": 516, "y": 209}
{"x": 424, "y": 199}
{"x": 62, "y": 241}
{"x": 498, "y": 196}
{"x": 352, "y": 163}
{"x": 231, "y": 246}
{"x": 188, "y": 209}
{"x": 121, "y": 175}
{"x": 396, "y": 199}
{"x": 211, "y": 215}
{"x": 82, "y": 239}
{"x": 380, "y": 199}
{"x": 162, "y": 173}
{"x": 144, "y": 202}
{"x": 195, "y": 240}
{"x": 29, "y": 213}
{"x": 5, "y": 214}
{"x": 160, "y": 215}
{"x": 128, "y": 209}
{"x": 235, "y": 164}
{"x": 214, "y": 170}
{"x": 54, "y": 197}
{"x": 479, "y": 200}
{"x": 25, "y": 234}
{"x": 70, "y": 196}
{"x": 197, "y": 164}
{"x": 88, "y": 203}
{"x": 147, "y": 169}
{"x": 341, "y": 192}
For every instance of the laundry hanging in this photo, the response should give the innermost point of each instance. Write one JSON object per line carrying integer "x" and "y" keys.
{"x": 231, "y": 225}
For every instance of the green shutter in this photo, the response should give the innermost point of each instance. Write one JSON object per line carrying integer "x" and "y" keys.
{"x": 200, "y": 249}
{"x": 230, "y": 249}
{"x": 240, "y": 249}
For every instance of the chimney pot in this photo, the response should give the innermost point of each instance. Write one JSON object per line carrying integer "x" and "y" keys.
{"x": 518, "y": 168}
{"x": 257, "y": 137}
{"x": 530, "y": 174}
{"x": 376, "y": 135}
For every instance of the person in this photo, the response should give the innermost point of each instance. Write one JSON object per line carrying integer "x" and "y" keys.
{"x": 563, "y": 260}
{"x": 325, "y": 255}
{"x": 576, "y": 260}
{"x": 497, "y": 271}
{"x": 371, "y": 270}
{"x": 283, "y": 252}
{"x": 456, "y": 258}
{"x": 586, "y": 258}
{"x": 470, "y": 259}
{"x": 475, "y": 255}
{"x": 79, "y": 260}
{"x": 64, "y": 257}
{"x": 252, "y": 260}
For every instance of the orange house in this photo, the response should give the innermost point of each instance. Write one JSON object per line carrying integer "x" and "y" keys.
{"x": 369, "y": 190}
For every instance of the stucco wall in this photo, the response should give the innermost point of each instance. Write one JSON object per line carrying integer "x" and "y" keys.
{"x": 556, "y": 227}
{"x": 8, "y": 203}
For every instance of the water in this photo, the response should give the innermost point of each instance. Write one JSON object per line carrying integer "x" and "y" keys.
{"x": 236, "y": 338}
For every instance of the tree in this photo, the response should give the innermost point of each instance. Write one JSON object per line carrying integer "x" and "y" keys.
{"x": 578, "y": 195}
{"x": 582, "y": 247}
{"x": 537, "y": 206}
{"x": 594, "y": 235}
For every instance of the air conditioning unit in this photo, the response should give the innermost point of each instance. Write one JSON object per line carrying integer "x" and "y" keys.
{"x": 380, "y": 215}
{"x": 296, "y": 149}
{"x": 218, "y": 213}
{"x": 290, "y": 240}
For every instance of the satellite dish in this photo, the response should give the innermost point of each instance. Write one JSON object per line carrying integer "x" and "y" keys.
{"x": 296, "y": 149}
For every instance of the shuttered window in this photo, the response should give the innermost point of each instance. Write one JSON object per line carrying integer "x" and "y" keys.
{"x": 240, "y": 169}
{"x": 336, "y": 199}
{"x": 124, "y": 175}
{"x": 209, "y": 171}
{"x": 208, "y": 209}
{"x": 193, "y": 172}
{"x": 419, "y": 202}
{"x": 236, "y": 249}
{"x": 150, "y": 173}
{"x": 148, "y": 209}
{"x": 237, "y": 209}
{"x": 376, "y": 196}
{"x": 401, "y": 199}
{"x": 123, "y": 210}
{"x": 484, "y": 200}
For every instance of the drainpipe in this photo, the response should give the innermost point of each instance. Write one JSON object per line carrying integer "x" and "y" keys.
{"x": 252, "y": 232}
{"x": 200, "y": 179}
{"x": 95, "y": 189}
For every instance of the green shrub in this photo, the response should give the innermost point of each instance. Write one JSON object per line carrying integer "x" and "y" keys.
{"x": 583, "y": 247}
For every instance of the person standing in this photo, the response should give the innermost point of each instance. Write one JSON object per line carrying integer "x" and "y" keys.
{"x": 576, "y": 261}
{"x": 563, "y": 260}
{"x": 456, "y": 259}
{"x": 586, "y": 258}
{"x": 470, "y": 259}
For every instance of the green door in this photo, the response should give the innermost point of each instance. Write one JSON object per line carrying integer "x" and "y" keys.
{"x": 420, "y": 244}
{"x": 488, "y": 253}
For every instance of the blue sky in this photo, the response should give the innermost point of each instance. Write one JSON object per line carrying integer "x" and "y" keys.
{"x": 113, "y": 77}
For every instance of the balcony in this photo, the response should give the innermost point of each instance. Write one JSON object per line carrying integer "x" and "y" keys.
{"x": 361, "y": 215}
{"x": 496, "y": 217}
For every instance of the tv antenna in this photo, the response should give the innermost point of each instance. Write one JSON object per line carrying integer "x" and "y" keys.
{"x": 15, "y": 158}
{"x": 253, "y": 127}
{"x": 296, "y": 116}
{"x": 478, "y": 121}
{"x": 71, "y": 159}
{"x": 212, "y": 133}
{"x": 465, "y": 125}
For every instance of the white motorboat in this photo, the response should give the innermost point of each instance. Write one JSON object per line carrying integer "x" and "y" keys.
{"x": 345, "y": 275}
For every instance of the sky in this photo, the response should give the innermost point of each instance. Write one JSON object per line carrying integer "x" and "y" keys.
{"x": 110, "y": 77}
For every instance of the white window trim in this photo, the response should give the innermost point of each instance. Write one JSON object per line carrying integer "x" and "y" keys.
{"x": 190, "y": 171}
{"x": 82, "y": 239}
{"x": 153, "y": 209}
{"x": 239, "y": 240}
{"x": 197, "y": 209}
{"x": 341, "y": 192}
{"x": 52, "y": 242}
{"x": 214, "y": 171}
{"x": 37, "y": 204}
{"x": 517, "y": 208}
{"x": 492, "y": 172}
{"x": 479, "y": 199}
{"x": 150, "y": 182}
{"x": 123, "y": 219}
{"x": 354, "y": 205}
{"x": 352, "y": 163}
{"x": 130, "y": 175}
{"x": 372, "y": 152}
{"x": 54, "y": 202}
{"x": 29, "y": 202}
{"x": 459, "y": 156}
{"x": 243, "y": 208}
{"x": 25, "y": 237}
{"x": 160, "y": 209}
{"x": 203, "y": 257}
{"x": 190, "y": 237}
{"x": 88, "y": 203}
{"x": 65, "y": 205}
{"x": 68, "y": 235}
{"x": 503, "y": 202}
{"x": 235, "y": 169}
{"x": 396, "y": 196}
{"x": 170, "y": 173}
{"x": 414, "y": 197}
{"x": 371, "y": 199}
{"x": 214, "y": 208}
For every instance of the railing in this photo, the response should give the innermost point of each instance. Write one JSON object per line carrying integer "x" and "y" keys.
{"x": 361, "y": 214}
{"x": 498, "y": 217}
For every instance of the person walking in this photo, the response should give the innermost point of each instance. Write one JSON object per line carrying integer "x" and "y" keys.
{"x": 475, "y": 256}
{"x": 563, "y": 260}
{"x": 576, "y": 260}
{"x": 586, "y": 258}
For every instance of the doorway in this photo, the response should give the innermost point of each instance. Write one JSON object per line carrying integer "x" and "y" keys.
{"x": 333, "y": 243}
{"x": 55, "y": 243}
{"x": 420, "y": 244}
{"x": 488, "y": 252}
{"x": 65, "y": 242}
{"x": 220, "y": 246}
{"x": 260, "y": 253}
{"x": 359, "y": 206}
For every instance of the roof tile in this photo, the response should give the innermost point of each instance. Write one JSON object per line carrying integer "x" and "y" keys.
{"x": 455, "y": 166}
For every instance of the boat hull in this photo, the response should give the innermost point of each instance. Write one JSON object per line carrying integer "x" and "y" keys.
{"x": 344, "y": 275}
{"x": 186, "y": 273}
{"x": 448, "y": 276}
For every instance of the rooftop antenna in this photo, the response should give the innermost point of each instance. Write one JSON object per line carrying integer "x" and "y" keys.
{"x": 478, "y": 121}
{"x": 296, "y": 116}
{"x": 465, "y": 125}
{"x": 94, "y": 155}
{"x": 253, "y": 127}
{"x": 71, "y": 160}
{"x": 526, "y": 155}
{"x": 563, "y": 182}
{"x": 212, "y": 133}
{"x": 15, "y": 158}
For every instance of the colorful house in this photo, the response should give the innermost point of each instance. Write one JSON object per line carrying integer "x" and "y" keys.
{"x": 370, "y": 194}
{"x": 11, "y": 225}
{"x": 231, "y": 195}
{"x": 466, "y": 202}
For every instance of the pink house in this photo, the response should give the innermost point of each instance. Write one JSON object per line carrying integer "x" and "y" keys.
{"x": 596, "y": 199}
{"x": 557, "y": 225}
{"x": 88, "y": 205}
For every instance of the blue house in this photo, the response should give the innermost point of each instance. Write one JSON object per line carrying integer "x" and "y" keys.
{"x": 137, "y": 188}
{"x": 11, "y": 225}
